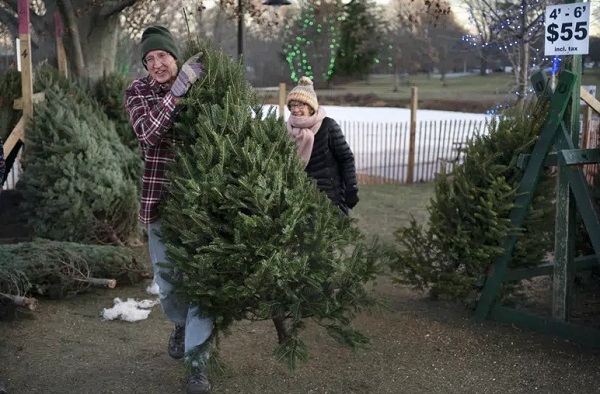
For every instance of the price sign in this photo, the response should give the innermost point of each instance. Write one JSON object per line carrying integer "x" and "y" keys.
{"x": 567, "y": 29}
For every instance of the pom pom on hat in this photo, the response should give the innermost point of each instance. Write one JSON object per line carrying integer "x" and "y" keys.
{"x": 305, "y": 93}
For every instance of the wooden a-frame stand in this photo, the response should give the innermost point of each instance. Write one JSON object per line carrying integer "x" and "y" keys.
{"x": 16, "y": 138}
{"x": 562, "y": 131}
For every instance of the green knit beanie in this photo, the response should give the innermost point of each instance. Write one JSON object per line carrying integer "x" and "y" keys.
{"x": 158, "y": 38}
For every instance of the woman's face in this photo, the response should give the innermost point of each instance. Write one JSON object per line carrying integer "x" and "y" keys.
{"x": 298, "y": 108}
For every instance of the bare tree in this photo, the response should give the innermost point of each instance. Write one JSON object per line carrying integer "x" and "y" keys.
{"x": 91, "y": 29}
{"x": 485, "y": 35}
{"x": 312, "y": 40}
{"x": 513, "y": 26}
{"x": 452, "y": 52}
{"x": 412, "y": 49}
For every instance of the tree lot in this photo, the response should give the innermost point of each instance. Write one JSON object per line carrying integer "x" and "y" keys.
{"x": 402, "y": 37}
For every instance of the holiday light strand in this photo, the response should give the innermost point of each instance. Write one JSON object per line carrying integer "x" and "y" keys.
{"x": 310, "y": 33}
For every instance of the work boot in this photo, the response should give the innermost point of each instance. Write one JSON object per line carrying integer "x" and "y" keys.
{"x": 177, "y": 343}
{"x": 198, "y": 382}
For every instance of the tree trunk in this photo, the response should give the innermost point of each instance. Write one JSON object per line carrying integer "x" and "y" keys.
{"x": 91, "y": 41}
{"x": 72, "y": 37}
{"x": 100, "y": 47}
{"x": 484, "y": 65}
{"x": 523, "y": 55}
{"x": 523, "y": 70}
{"x": 283, "y": 329}
{"x": 43, "y": 48}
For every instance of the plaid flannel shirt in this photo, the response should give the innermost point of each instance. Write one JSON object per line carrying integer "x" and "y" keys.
{"x": 152, "y": 110}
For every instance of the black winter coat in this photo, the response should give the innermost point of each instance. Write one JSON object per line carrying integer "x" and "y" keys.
{"x": 331, "y": 163}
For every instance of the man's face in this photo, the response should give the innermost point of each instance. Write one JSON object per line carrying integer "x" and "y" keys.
{"x": 162, "y": 66}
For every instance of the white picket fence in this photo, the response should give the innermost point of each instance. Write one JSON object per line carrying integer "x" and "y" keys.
{"x": 13, "y": 175}
{"x": 382, "y": 150}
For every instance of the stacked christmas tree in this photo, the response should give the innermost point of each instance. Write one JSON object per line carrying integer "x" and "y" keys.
{"x": 250, "y": 234}
{"x": 79, "y": 181}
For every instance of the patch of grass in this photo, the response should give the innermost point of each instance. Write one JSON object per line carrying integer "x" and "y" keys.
{"x": 470, "y": 93}
{"x": 471, "y": 87}
{"x": 384, "y": 208}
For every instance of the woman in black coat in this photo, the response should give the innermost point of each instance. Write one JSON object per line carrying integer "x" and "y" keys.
{"x": 322, "y": 146}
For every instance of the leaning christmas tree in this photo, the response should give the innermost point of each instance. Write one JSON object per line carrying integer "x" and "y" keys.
{"x": 250, "y": 235}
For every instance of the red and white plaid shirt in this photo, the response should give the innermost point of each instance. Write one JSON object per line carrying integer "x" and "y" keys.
{"x": 152, "y": 110}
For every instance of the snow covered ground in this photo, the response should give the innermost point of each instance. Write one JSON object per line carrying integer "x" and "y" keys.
{"x": 390, "y": 115}
{"x": 379, "y": 139}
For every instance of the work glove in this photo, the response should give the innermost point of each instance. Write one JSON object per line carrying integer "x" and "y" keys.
{"x": 189, "y": 73}
{"x": 351, "y": 198}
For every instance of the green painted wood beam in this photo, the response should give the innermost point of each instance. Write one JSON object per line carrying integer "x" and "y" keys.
{"x": 579, "y": 187}
{"x": 558, "y": 106}
{"x": 572, "y": 157}
{"x": 545, "y": 324}
{"x": 546, "y": 268}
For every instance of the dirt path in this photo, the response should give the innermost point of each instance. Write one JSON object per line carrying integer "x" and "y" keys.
{"x": 418, "y": 347}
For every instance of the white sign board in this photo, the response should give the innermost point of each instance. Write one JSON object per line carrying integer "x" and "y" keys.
{"x": 567, "y": 29}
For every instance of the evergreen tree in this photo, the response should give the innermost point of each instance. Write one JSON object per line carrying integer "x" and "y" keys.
{"x": 249, "y": 233}
{"x": 59, "y": 269}
{"x": 312, "y": 40}
{"x": 469, "y": 215}
{"x": 80, "y": 182}
{"x": 361, "y": 39}
{"x": 108, "y": 91}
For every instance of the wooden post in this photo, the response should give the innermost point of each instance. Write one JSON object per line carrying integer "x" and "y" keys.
{"x": 587, "y": 124}
{"x": 282, "y": 94}
{"x": 61, "y": 56}
{"x": 13, "y": 138}
{"x": 26, "y": 72}
{"x": 414, "y": 102}
{"x": 564, "y": 235}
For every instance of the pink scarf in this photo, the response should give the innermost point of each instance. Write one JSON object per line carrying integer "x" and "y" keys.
{"x": 303, "y": 129}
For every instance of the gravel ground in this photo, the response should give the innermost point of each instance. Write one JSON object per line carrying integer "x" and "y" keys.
{"x": 419, "y": 346}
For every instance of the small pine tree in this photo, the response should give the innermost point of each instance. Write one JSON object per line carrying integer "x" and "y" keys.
{"x": 249, "y": 233}
{"x": 361, "y": 40}
{"x": 79, "y": 181}
{"x": 469, "y": 215}
{"x": 108, "y": 91}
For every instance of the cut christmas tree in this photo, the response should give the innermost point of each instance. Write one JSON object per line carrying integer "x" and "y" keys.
{"x": 250, "y": 235}
{"x": 469, "y": 214}
{"x": 79, "y": 181}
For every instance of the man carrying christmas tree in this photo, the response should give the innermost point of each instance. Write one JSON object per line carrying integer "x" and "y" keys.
{"x": 322, "y": 146}
{"x": 151, "y": 103}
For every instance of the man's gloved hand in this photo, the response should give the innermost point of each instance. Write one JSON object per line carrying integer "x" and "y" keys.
{"x": 189, "y": 73}
{"x": 351, "y": 198}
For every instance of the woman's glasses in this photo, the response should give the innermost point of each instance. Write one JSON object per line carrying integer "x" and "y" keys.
{"x": 297, "y": 105}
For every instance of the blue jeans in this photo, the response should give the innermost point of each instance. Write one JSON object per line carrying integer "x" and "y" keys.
{"x": 197, "y": 329}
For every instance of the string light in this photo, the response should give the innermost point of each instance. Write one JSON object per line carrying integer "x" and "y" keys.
{"x": 503, "y": 31}
{"x": 304, "y": 34}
